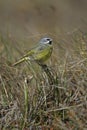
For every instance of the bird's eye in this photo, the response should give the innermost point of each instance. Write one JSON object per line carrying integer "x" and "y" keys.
{"x": 48, "y": 39}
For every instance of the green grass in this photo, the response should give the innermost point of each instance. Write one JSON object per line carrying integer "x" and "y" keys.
{"x": 34, "y": 97}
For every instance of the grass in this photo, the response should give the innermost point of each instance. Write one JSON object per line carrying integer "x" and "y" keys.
{"x": 54, "y": 97}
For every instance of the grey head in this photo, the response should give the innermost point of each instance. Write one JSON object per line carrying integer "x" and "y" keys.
{"x": 46, "y": 40}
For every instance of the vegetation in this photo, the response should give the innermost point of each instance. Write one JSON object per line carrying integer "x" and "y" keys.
{"x": 37, "y": 98}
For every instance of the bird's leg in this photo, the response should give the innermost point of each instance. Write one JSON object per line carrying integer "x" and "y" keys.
{"x": 48, "y": 73}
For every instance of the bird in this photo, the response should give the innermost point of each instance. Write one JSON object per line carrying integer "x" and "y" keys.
{"x": 40, "y": 53}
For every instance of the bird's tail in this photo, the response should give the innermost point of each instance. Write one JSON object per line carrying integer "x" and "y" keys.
{"x": 19, "y": 61}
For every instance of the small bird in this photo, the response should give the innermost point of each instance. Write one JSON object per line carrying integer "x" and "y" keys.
{"x": 40, "y": 53}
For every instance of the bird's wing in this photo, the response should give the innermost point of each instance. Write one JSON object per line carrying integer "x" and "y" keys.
{"x": 28, "y": 56}
{"x": 34, "y": 51}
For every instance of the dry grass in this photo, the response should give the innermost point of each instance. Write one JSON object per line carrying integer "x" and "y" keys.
{"x": 28, "y": 101}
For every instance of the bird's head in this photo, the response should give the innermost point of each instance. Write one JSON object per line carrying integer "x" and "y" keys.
{"x": 46, "y": 41}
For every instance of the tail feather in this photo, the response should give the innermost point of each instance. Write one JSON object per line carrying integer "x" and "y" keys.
{"x": 18, "y": 62}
